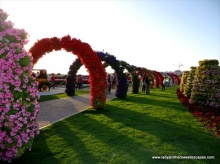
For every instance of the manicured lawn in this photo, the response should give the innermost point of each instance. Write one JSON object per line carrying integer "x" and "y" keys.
{"x": 127, "y": 131}
{"x": 61, "y": 95}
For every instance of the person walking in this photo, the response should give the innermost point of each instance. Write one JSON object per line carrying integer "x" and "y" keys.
{"x": 52, "y": 79}
{"x": 80, "y": 82}
{"x": 164, "y": 84}
{"x": 77, "y": 81}
{"x": 109, "y": 83}
{"x": 143, "y": 84}
{"x": 147, "y": 80}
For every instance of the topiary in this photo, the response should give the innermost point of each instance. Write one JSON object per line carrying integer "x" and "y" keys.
{"x": 183, "y": 80}
{"x": 206, "y": 84}
{"x": 189, "y": 82}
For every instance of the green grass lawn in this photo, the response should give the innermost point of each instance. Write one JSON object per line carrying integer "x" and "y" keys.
{"x": 61, "y": 95}
{"x": 128, "y": 131}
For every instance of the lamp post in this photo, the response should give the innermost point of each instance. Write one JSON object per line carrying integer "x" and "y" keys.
{"x": 180, "y": 65}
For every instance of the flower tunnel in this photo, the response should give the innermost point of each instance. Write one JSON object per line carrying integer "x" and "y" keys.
{"x": 86, "y": 55}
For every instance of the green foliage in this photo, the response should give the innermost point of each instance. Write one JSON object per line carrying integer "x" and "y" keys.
{"x": 25, "y": 61}
{"x": 206, "y": 85}
{"x": 206, "y": 62}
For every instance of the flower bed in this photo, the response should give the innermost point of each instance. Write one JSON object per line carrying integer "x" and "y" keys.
{"x": 210, "y": 117}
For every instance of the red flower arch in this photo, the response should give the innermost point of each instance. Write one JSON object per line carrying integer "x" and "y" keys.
{"x": 176, "y": 77}
{"x": 88, "y": 57}
{"x": 160, "y": 78}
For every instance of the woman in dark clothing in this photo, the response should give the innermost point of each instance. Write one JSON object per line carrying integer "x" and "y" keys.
{"x": 147, "y": 81}
{"x": 109, "y": 83}
{"x": 143, "y": 84}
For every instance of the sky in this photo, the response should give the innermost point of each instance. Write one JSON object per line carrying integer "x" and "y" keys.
{"x": 161, "y": 35}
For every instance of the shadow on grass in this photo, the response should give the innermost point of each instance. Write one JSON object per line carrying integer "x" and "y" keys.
{"x": 126, "y": 134}
{"x": 185, "y": 140}
{"x": 70, "y": 135}
{"x": 114, "y": 140}
{"x": 174, "y": 140}
{"x": 151, "y": 101}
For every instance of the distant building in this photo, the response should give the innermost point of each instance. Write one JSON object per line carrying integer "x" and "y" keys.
{"x": 178, "y": 73}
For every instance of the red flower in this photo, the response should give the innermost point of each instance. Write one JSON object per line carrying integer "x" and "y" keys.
{"x": 217, "y": 119}
{"x": 206, "y": 116}
{"x": 55, "y": 43}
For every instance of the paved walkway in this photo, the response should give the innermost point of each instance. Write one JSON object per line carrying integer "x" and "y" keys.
{"x": 55, "y": 110}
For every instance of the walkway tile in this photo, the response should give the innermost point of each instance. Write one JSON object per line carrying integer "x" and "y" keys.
{"x": 55, "y": 110}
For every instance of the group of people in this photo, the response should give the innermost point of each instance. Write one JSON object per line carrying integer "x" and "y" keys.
{"x": 112, "y": 81}
{"x": 51, "y": 78}
{"x": 146, "y": 81}
{"x": 79, "y": 82}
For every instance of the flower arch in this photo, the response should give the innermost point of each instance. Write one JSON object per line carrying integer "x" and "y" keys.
{"x": 172, "y": 77}
{"x": 132, "y": 71}
{"x": 157, "y": 79}
{"x": 121, "y": 91}
{"x": 160, "y": 78}
{"x": 177, "y": 78}
{"x": 148, "y": 72}
{"x": 87, "y": 56}
{"x": 71, "y": 77}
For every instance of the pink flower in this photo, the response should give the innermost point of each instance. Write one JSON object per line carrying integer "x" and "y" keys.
{"x": 15, "y": 81}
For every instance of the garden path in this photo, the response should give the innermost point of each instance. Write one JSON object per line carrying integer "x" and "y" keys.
{"x": 55, "y": 110}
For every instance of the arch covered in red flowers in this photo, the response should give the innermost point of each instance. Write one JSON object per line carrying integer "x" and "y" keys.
{"x": 160, "y": 77}
{"x": 149, "y": 73}
{"x": 176, "y": 78}
{"x": 88, "y": 57}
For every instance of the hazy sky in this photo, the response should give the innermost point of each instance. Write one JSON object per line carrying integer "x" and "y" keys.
{"x": 155, "y": 34}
